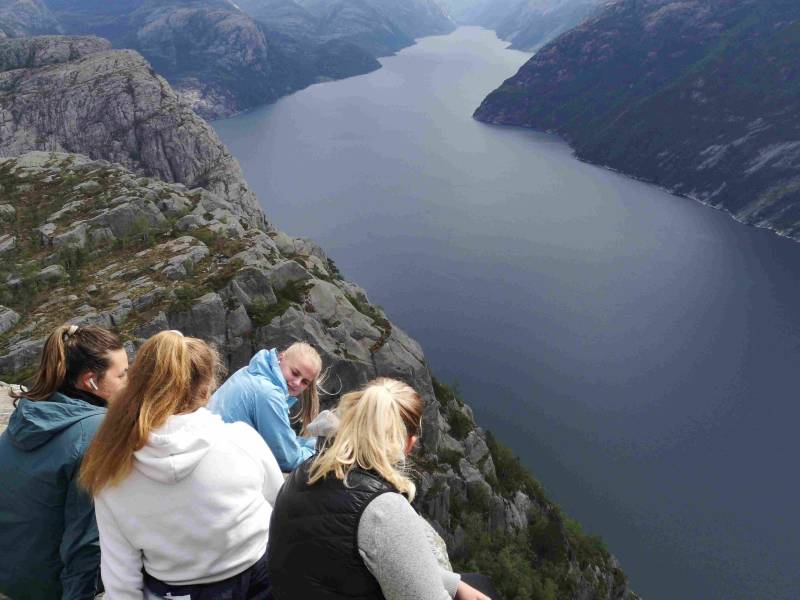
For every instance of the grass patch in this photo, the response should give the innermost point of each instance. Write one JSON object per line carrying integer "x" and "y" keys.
{"x": 262, "y": 313}
{"x": 377, "y": 317}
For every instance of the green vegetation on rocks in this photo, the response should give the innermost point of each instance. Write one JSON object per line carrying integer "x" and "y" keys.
{"x": 544, "y": 555}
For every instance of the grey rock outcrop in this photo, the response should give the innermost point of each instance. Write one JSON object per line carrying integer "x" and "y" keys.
{"x": 35, "y": 52}
{"x": 109, "y": 104}
{"x": 8, "y": 318}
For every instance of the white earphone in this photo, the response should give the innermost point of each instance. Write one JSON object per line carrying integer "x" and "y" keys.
{"x": 92, "y": 384}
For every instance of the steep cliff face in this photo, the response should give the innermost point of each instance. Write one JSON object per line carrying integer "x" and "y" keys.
{"x": 214, "y": 54}
{"x": 26, "y": 17}
{"x": 76, "y": 95}
{"x": 226, "y": 57}
{"x": 90, "y": 241}
{"x": 699, "y": 97}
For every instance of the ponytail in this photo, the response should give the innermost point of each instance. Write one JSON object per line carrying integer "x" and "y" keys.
{"x": 69, "y": 351}
{"x": 375, "y": 424}
{"x": 171, "y": 374}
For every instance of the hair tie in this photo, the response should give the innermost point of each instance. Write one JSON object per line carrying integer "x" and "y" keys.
{"x": 70, "y": 332}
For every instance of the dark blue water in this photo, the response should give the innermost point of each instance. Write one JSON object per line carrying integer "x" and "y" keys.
{"x": 640, "y": 352}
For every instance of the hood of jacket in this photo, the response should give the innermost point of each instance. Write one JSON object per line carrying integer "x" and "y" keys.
{"x": 175, "y": 449}
{"x": 267, "y": 364}
{"x": 33, "y": 424}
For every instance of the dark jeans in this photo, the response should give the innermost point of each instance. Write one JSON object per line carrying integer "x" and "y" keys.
{"x": 481, "y": 583}
{"x": 250, "y": 584}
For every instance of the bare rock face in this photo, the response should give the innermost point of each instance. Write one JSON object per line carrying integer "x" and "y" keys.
{"x": 34, "y": 52}
{"x": 219, "y": 58}
{"x": 109, "y": 104}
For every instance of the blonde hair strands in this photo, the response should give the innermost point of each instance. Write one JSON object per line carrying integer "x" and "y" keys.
{"x": 309, "y": 399}
{"x": 171, "y": 374}
{"x": 375, "y": 424}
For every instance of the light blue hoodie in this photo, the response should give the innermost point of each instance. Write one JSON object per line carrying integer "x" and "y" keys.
{"x": 258, "y": 395}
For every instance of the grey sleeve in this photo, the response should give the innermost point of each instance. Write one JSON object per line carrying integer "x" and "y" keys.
{"x": 393, "y": 545}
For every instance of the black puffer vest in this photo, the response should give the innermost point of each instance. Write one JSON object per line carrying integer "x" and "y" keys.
{"x": 313, "y": 537}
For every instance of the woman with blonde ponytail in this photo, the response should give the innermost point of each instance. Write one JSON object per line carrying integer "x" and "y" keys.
{"x": 183, "y": 500}
{"x": 262, "y": 393}
{"x": 343, "y": 526}
{"x": 48, "y": 535}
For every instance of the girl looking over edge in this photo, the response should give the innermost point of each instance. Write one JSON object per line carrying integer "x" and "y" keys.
{"x": 343, "y": 526}
{"x": 262, "y": 393}
{"x": 48, "y": 535}
{"x": 183, "y": 500}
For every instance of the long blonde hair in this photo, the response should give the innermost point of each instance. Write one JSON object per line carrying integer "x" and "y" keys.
{"x": 375, "y": 424}
{"x": 309, "y": 399}
{"x": 68, "y": 352}
{"x": 171, "y": 374}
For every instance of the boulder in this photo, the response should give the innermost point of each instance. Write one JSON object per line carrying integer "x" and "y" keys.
{"x": 52, "y": 273}
{"x": 74, "y": 237}
{"x": 8, "y": 318}
{"x": 7, "y": 242}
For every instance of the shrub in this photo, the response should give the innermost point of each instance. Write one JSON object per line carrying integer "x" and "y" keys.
{"x": 511, "y": 475}
{"x": 184, "y": 298}
{"x": 261, "y": 313}
{"x": 460, "y": 424}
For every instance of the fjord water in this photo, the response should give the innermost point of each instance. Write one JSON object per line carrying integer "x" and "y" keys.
{"x": 638, "y": 351}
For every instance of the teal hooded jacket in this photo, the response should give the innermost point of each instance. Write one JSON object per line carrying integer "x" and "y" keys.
{"x": 49, "y": 544}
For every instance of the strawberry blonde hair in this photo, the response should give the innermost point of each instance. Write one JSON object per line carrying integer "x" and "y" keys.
{"x": 375, "y": 424}
{"x": 171, "y": 374}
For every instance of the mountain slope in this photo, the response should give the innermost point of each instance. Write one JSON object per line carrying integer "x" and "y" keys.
{"x": 379, "y": 27}
{"x": 91, "y": 241}
{"x": 527, "y": 24}
{"x": 78, "y": 95}
{"x": 699, "y": 97}
{"x": 217, "y": 56}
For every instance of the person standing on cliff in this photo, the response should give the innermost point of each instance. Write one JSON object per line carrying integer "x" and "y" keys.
{"x": 48, "y": 535}
{"x": 262, "y": 393}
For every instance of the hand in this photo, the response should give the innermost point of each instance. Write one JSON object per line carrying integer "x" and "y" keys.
{"x": 467, "y": 592}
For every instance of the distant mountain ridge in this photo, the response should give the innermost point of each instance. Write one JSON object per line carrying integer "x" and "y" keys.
{"x": 701, "y": 98}
{"x": 217, "y": 56}
{"x": 380, "y": 27}
{"x": 527, "y": 24}
{"x": 226, "y": 57}
{"x": 26, "y": 17}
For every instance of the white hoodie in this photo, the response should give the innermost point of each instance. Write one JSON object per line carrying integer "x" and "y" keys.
{"x": 194, "y": 509}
